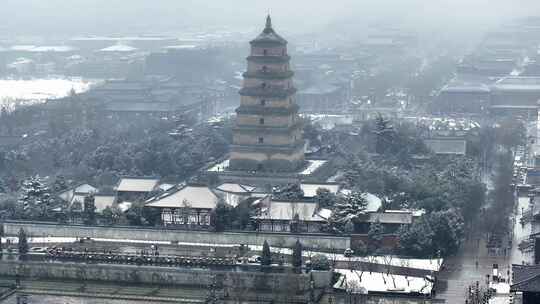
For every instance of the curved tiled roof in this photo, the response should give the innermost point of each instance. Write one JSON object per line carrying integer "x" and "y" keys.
{"x": 268, "y": 35}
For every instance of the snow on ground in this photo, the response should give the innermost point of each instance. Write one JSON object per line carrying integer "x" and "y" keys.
{"x": 38, "y": 90}
{"x": 381, "y": 282}
{"x": 313, "y": 166}
{"x": 500, "y": 288}
{"x": 423, "y": 264}
{"x": 220, "y": 167}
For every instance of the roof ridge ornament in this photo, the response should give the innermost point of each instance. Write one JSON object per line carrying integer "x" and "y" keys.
{"x": 268, "y": 26}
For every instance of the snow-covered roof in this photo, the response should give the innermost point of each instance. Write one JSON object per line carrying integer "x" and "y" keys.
{"x": 103, "y": 201}
{"x": 310, "y": 190}
{"x": 447, "y": 145}
{"x": 52, "y": 48}
{"x": 23, "y": 48}
{"x": 119, "y": 48}
{"x": 137, "y": 184}
{"x": 517, "y": 83}
{"x": 365, "y": 282}
{"x": 286, "y": 211}
{"x": 67, "y": 195}
{"x": 391, "y": 217}
{"x": 181, "y": 47}
{"x": 235, "y": 188}
{"x": 197, "y": 197}
{"x": 166, "y": 187}
{"x": 466, "y": 87}
{"x": 121, "y": 38}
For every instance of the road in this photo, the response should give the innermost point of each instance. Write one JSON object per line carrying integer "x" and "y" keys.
{"x": 461, "y": 270}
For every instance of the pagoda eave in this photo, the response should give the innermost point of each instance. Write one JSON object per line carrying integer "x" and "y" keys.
{"x": 269, "y": 92}
{"x": 269, "y": 59}
{"x": 268, "y": 75}
{"x": 261, "y": 110}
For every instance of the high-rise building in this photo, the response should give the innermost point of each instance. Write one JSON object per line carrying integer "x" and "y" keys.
{"x": 268, "y": 132}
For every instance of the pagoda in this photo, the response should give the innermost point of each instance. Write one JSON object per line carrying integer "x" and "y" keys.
{"x": 267, "y": 136}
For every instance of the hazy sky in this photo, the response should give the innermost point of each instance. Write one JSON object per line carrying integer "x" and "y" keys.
{"x": 123, "y": 16}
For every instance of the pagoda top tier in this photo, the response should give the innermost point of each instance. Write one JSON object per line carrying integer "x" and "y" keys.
{"x": 268, "y": 35}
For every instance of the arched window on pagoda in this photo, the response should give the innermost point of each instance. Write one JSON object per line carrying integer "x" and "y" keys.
{"x": 264, "y": 69}
{"x": 265, "y": 52}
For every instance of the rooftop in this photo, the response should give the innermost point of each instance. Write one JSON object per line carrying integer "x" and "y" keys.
{"x": 286, "y": 211}
{"x": 137, "y": 184}
{"x": 465, "y": 87}
{"x": 516, "y": 83}
{"x": 119, "y": 48}
{"x": 268, "y": 35}
{"x": 447, "y": 146}
{"x": 391, "y": 218}
{"x": 235, "y": 188}
{"x": 526, "y": 278}
{"x": 198, "y": 197}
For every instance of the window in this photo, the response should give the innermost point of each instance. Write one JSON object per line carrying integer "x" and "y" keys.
{"x": 263, "y": 102}
{"x": 261, "y": 140}
{"x": 263, "y": 85}
{"x": 261, "y": 121}
{"x": 283, "y": 52}
{"x": 265, "y": 52}
{"x": 264, "y": 69}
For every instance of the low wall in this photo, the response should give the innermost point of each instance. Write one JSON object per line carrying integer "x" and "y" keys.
{"x": 313, "y": 241}
{"x": 248, "y": 280}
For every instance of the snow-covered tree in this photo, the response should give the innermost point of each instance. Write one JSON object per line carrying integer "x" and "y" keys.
{"x": 35, "y": 198}
{"x": 348, "y": 211}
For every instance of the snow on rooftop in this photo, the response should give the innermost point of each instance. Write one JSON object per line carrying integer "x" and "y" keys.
{"x": 220, "y": 167}
{"x": 181, "y": 47}
{"x": 366, "y": 282}
{"x": 119, "y": 48}
{"x": 23, "y": 48}
{"x": 313, "y": 166}
{"x": 134, "y": 184}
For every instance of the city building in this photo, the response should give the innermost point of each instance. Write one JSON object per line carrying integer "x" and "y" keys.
{"x": 268, "y": 133}
{"x": 526, "y": 279}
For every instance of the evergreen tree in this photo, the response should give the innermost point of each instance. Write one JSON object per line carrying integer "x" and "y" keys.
{"x": 291, "y": 192}
{"x": 35, "y": 199}
{"x": 297, "y": 254}
{"x": 375, "y": 236}
{"x": 89, "y": 212}
{"x": 266, "y": 258}
{"x": 347, "y": 212}
{"x": 325, "y": 198}
{"x": 23, "y": 244}
{"x": 220, "y": 217}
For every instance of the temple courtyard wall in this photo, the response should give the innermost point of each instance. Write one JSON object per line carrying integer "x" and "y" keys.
{"x": 312, "y": 241}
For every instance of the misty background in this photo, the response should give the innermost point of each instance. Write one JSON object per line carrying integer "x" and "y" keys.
{"x": 87, "y": 17}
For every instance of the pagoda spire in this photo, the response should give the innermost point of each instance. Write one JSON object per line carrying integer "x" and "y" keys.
{"x": 268, "y": 26}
